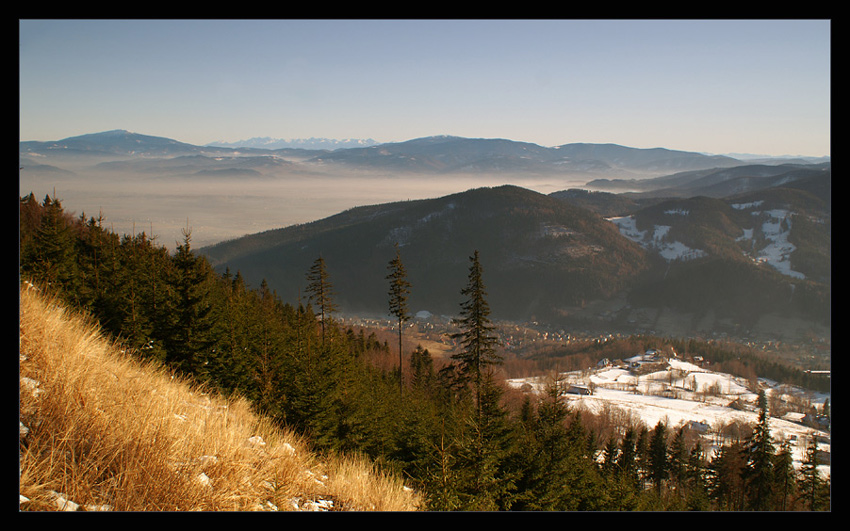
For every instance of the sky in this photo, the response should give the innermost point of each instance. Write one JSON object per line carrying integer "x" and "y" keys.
{"x": 714, "y": 86}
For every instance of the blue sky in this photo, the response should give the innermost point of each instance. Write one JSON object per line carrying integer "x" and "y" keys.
{"x": 717, "y": 86}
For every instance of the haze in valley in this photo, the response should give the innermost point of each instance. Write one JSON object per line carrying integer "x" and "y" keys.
{"x": 217, "y": 209}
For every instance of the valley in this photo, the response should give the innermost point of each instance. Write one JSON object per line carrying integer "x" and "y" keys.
{"x": 558, "y": 247}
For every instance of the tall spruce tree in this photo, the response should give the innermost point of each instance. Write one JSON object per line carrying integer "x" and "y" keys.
{"x": 759, "y": 451}
{"x": 399, "y": 291}
{"x": 477, "y": 334}
{"x": 659, "y": 463}
{"x": 190, "y": 338}
{"x": 321, "y": 294}
{"x": 678, "y": 459}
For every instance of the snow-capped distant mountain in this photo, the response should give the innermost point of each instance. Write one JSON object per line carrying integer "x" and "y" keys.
{"x": 266, "y": 142}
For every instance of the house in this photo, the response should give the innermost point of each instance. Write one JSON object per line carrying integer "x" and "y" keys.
{"x": 698, "y": 426}
{"x": 816, "y": 421}
{"x": 579, "y": 390}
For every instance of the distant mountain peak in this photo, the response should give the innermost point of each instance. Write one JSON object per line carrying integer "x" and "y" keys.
{"x": 266, "y": 142}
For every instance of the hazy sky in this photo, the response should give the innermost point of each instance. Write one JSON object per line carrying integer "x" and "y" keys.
{"x": 717, "y": 86}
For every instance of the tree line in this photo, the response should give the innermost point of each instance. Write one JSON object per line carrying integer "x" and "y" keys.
{"x": 446, "y": 425}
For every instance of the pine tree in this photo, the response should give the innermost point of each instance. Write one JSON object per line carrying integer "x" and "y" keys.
{"x": 135, "y": 325}
{"x": 642, "y": 455}
{"x": 784, "y": 474}
{"x": 812, "y": 487}
{"x": 758, "y": 474}
{"x": 659, "y": 464}
{"x": 484, "y": 481}
{"x": 321, "y": 294}
{"x": 49, "y": 257}
{"x": 477, "y": 337}
{"x": 586, "y": 489}
{"x": 609, "y": 457}
{"x": 29, "y": 218}
{"x": 155, "y": 269}
{"x": 627, "y": 465}
{"x": 399, "y": 291}
{"x": 190, "y": 338}
{"x": 678, "y": 458}
{"x": 440, "y": 483}
{"x": 697, "y": 488}
{"x": 421, "y": 370}
{"x": 545, "y": 453}
{"x": 267, "y": 360}
{"x": 232, "y": 367}
{"x": 302, "y": 386}
{"x": 97, "y": 251}
{"x": 726, "y": 486}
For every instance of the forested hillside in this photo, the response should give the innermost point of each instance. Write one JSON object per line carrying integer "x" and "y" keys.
{"x": 748, "y": 255}
{"x": 448, "y": 425}
{"x": 713, "y": 261}
{"x": 542, "y": 253}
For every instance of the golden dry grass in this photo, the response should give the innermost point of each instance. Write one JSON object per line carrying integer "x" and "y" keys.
{"x": 102, "y": 431}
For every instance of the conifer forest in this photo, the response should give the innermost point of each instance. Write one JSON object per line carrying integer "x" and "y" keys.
{"x": 448, "y": 425}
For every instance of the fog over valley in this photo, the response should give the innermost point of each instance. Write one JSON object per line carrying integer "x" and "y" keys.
{"x": 222, "y": 208}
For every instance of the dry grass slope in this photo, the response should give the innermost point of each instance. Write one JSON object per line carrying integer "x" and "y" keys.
{"x": 102, "y": 431}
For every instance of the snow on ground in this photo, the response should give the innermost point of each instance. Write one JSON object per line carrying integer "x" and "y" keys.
{"x": 778, "y": 251}
{"x": 777, "y": 227}
{"x": 658, "y": 240}
{"x": 668, "y": 395}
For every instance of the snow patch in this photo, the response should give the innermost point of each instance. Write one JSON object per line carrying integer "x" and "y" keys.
{"x": 745, "y": 206}
{"x": 776, "y": 229}
{"x": 658, "y": 241}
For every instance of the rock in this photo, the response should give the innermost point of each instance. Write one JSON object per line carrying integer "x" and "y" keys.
{"x": 63, "y": 503}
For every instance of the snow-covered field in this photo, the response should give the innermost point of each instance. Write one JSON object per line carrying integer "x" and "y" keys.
{"x": 680, "y": 392}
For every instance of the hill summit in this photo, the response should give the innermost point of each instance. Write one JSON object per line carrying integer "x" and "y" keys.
{"x": 538, "y": 252}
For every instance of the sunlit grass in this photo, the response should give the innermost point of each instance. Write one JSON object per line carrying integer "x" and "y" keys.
{"x": 101, "y": 430}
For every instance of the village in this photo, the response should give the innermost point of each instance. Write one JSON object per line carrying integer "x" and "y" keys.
{"x": 654, "y": 385}
{"x": 660, "y": 386}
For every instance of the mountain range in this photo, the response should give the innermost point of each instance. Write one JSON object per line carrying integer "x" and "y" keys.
{"x": 438, "y": 155}
{"x": 720, "y": 240}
